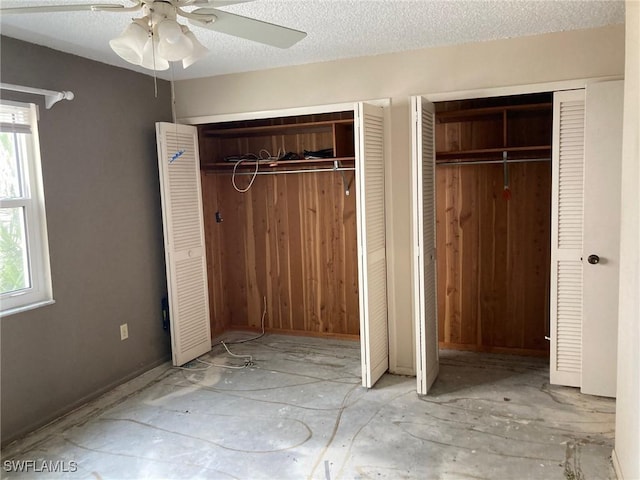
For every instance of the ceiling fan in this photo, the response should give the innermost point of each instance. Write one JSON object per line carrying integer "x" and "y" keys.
{"x": 156, "y": 38}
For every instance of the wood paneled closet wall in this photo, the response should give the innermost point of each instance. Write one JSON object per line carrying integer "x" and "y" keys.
{"x": 493, "y": 246}
{"x": 291, "y": 238}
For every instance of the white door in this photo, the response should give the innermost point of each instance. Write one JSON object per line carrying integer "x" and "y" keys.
{"x": 603, "y": 170}
{"x": 424, "y": 243}
{"x": 567, "y": 213}
{"x": 372, "y": 269}
{"x": 184, "y": 243}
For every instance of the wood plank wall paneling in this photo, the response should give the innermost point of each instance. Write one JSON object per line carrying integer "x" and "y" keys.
{"x": 494, "y": 256}
{"x": 270, "y": 145}
{"x": 213, "y": 240}
{"x": 291, "y": 239}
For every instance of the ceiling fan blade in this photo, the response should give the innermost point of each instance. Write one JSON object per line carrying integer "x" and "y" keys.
{"x": 63, "y": 8}
{"x": 248, "y": 28}
{"x": 216, "y": 3}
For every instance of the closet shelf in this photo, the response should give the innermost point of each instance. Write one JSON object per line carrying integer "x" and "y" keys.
{"x": 474, "y": 113}
{"x": 494, "y": 153}
{"x": 306, "y": 127}
{"x": 277, "y": 164}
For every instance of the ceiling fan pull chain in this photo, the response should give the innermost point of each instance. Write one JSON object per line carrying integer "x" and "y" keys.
{"x": 153, "y": 56}
{"x": 180, "y": 151}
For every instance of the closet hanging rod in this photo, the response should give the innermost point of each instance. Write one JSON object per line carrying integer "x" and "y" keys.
{"x": 51, "y": 97}
{"x": 488, "y": 162}
{"x": 276, "y": 172}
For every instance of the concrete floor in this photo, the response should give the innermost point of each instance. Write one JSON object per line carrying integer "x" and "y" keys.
{"x": 300, "y": 413}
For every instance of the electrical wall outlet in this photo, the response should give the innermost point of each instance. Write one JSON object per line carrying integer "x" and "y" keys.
{"x": 124, "y": 331}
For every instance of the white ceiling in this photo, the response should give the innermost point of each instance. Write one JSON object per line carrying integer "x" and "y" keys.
{"x": 336, "y": 28}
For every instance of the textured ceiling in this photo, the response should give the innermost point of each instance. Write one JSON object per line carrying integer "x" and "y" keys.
{"x": 336, "y": 28}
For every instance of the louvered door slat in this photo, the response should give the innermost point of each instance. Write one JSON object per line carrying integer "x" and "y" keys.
{"x": 372, "y": 271}
{"x": 186, "y": 262}
{"x": 567, "y": 237}
{"x": 423, "y": 193}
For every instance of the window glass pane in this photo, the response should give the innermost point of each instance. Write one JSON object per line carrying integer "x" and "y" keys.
{"x": 10, "y": 173}
{"x": 14, "y": 258}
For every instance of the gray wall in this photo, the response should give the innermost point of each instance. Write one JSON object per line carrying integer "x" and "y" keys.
{"x": 105, "y": 238}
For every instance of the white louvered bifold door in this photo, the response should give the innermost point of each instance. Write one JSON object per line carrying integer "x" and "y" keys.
{"x": 372, "y": 268}
{"x": 567, "y": 217}
{"x": 424, "y": 243}
{"x": 184, "y": 242}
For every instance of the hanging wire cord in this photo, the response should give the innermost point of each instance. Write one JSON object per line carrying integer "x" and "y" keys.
{"x": 264, "y": 155}
{"x": 248, "y": 359}
{"x": 255, "y": 173}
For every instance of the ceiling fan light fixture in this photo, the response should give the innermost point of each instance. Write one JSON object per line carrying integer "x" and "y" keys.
{"x": 173, "y": 46}
{"x": 169, "y": 30}
{"x": 157, "y": 39}
{"x": 130, "y": 44}
{"x": 199, "y": 51}
{"x": 150, "y": 57}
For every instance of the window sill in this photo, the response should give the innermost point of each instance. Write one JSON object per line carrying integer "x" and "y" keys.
{"x": 25, "y": 308}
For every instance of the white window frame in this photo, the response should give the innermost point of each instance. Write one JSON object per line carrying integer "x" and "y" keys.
{"x": 39, "y": 293}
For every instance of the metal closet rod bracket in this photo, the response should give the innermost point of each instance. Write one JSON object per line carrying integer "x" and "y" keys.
{"x": 51, "y": 97}
{"x": 337, "y": 166}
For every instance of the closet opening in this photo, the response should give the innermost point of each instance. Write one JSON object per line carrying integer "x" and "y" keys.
{"x": 277, "y": 224}
{"x": 279, "y": 200}
{"x": 493, "y": 191}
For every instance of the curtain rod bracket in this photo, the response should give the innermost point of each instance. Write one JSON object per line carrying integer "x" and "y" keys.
{"x": 51, "y": 97}
{"x": 51, "y": 100}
